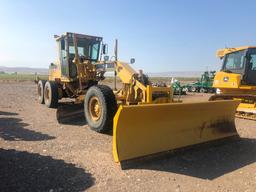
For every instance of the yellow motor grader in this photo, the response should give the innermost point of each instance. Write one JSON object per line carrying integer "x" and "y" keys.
{"x": 237, "y": 79}
{"x": 144, "y": 119}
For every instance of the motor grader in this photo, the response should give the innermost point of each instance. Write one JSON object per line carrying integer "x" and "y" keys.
{"x": 237, "y": 79}
{"x": 144, "y": 119}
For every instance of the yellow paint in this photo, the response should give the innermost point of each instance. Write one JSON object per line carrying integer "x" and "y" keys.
{"x": 222, "y": 52}
{"x": 233, "y": 81}
{"x": 230, "y": 83}
{"x": 124, "y": 71}
{"x": 147, "y": 129}
{"x": 147, "y": 121}
{"x": 233, "y": 87}
{"x": 137, "y": 92}
{"x": 247, "y": 107}
{"x": 54, "y": 72}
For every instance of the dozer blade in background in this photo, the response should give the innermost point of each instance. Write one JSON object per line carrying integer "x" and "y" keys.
{"x": 69, "y": 112}
{"x": 147, "y": 129}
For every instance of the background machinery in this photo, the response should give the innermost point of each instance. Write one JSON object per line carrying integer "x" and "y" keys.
{"x": 144, "y": 119}
{"x": 203, "y": 85}
{"x": 237, "y": 79}
{"x": 178, "y": 89}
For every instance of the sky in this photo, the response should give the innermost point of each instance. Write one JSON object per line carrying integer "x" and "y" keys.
{"x": 171, "y": 35}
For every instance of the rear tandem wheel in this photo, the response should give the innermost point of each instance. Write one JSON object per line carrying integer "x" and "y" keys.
{"x": 51, "y": 94}
{"x": 40, "y": 91}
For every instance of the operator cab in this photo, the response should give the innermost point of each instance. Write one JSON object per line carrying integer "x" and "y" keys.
{"x": 88, "y": 49}
{"x": 242, "y": 62}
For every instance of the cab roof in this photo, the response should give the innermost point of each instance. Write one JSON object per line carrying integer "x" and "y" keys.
{"x": 78, "y": 35}
{"x": 222, "y": 52}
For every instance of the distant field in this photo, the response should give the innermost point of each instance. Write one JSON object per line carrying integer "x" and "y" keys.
{"x": 181, "y": 79}
{"x": 31, "y": 77}
{"x": 20, "y": 77}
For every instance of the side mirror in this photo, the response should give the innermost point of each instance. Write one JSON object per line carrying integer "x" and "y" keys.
{"x": 106, "y": 58}
{"x": 105, "y": 49}
{"x": 132, "y": 60}
{"x": 52, "y": 66}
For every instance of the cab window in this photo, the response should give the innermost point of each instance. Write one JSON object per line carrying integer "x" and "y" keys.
{"x": 253, "y": 62}
{"x": 234, "y": 60}
{"x": 63, "y": 49}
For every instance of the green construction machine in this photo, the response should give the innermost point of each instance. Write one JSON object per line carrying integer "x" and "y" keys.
{"x": 203, "y": 85}
{"x": 178, "y": 89}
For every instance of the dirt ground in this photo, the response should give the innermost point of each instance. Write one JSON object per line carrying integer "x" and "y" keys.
{"x": 39, "y": 154}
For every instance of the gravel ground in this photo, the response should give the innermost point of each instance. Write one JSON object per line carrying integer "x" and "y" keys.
{"x": 39, "y": 154}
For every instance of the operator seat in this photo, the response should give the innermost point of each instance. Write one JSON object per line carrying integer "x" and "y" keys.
{"x": 72, "y": 67}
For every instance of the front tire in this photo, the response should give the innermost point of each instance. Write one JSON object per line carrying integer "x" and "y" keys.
{"x": 212, "y": 90}
{"x": 202, "y": 90}
{"x": 185, "y": 90}
{"x": 100, "y": 107}
{"x": 193, "y": 89}
{"x": 40, "y": 91}
{"x": 51, "y": 94}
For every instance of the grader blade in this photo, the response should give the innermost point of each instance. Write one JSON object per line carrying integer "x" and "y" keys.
{"x": 147, "y": 129}
{"x": 69, "y": 112}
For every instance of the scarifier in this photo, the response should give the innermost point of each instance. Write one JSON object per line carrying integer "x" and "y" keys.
{"x": 144, "y": 119}
{"x": 237, "y": 79}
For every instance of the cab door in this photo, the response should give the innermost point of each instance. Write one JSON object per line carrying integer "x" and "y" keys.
{"x": 251, "y": 67}
{"x": 64, "y": 61}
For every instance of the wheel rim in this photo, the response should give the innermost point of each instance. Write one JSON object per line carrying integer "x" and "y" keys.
{"x": 95, "y": 108}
